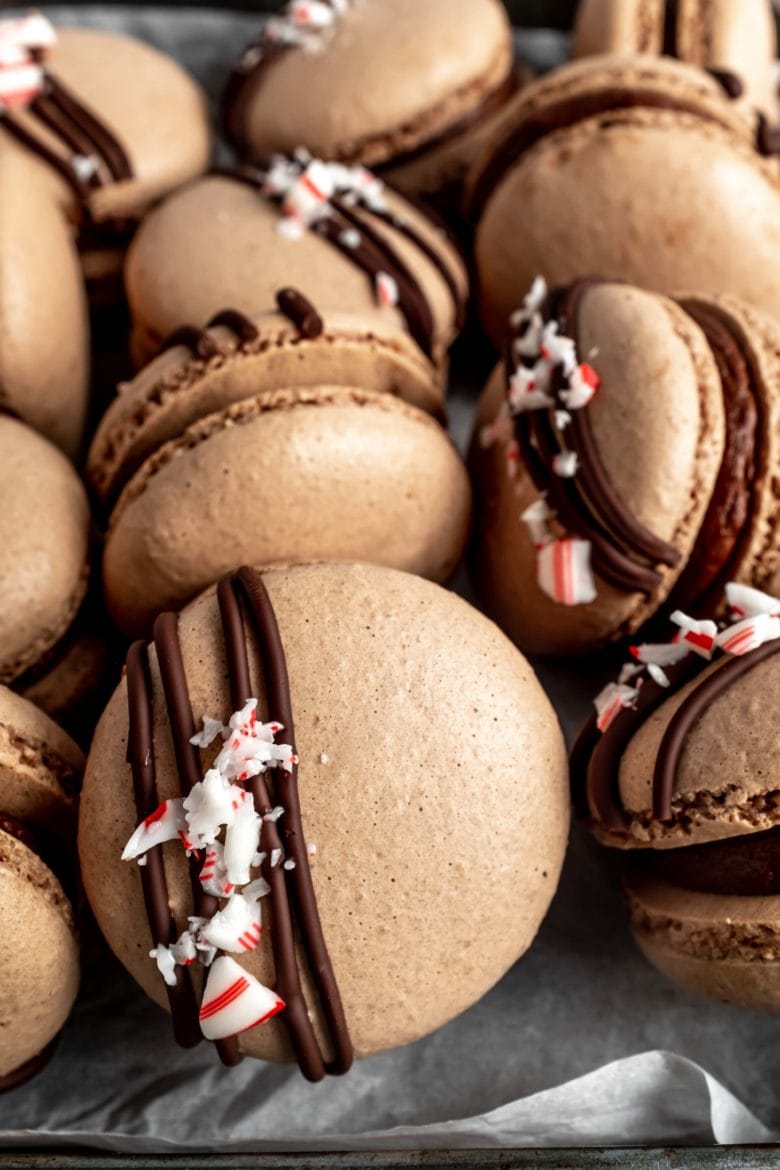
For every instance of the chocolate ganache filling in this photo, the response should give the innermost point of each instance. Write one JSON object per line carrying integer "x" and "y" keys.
{"x": 747, "y": 864}
{"x": 624, "y": 552}
{"x": 569, "y": 111}
{"x": 294, "y": 909}
{"x": 726, "y": 527}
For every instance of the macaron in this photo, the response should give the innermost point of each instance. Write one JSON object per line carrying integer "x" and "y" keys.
{"x": 40, "y": 771}
{"x": 44, "y": 328}
{"x": 44, "y": 562}
{"x": 410, "y": 89}
{"x": 679, "y": 763}
{"x": 636, "y": 168}
{"x": 308, "y": 464}
{"x": 340, "y": 236}
{"x": 736, "y": 38}
{"x": 111, "y": 123}
{"x": 624, "y": 460}
{"x": 379, "y": 809}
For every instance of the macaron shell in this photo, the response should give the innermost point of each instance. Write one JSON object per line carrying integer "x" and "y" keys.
{"x": 727, "y": 771}
{"x": 176, "y": 389}
{"x": 242, "y": 260}
{"x": 154, "y": 108}
{"x": 44, "y": 331}
{"x": 44, "y": 527}
{"x": 39, "y": 974}
{"x": 725, "y": 948}
{"x": 660, "y": 450}
{"x": 617, "y": 26}
{"x": 40, "y": 766}
{"x": 388, "y": 79}
{"x": 329, "y": 473}
{"x": 395, "y": 792}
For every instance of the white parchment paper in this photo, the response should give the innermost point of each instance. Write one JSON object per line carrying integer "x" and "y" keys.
{"x": 582, "y": 1043}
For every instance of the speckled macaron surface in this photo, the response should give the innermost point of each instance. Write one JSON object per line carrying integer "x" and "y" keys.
{"x": 40, "y": 769}
{"x": 736, "y": 36}
{"x": 406, "y": 86}
{"x": 396, "y": 794}
{"x": 44, "y": 331}
{"x": 44, "y": 532}
{"x": 649, "y": 144}
{"x": 349, "y": 245}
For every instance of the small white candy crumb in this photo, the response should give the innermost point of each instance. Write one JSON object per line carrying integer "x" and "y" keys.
{"x": 276, "y": 857}
{"x": 142, "y": 860}
{"x": 311, "y": 849}
{"x": 290, "y": 227}
{"x": 274, "y": 814}
{"x": 350, "y": 238}
{"x": 85, "y": 166}
{"x": 386, "y": 289}
{"x": 289, "y": 864}
{"x": 324, "y": 758}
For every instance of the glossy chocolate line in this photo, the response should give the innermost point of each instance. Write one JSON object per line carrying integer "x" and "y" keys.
{"x": 49, "y": 113}
{"x": 245, "y": 330}
{"x": 375, "y": 255}
{"x": 58, "y": 163}
{"x": 562, "y": 115}
{"x": 686, "y": 715}
{"x": 140, "y": 756}
{"x": 300, "y": 311}
{"x": 25, "y": 1072}
{"x": 288, "y": 984}
{"x": 198, "y": 341}
{"x": 595, "y": 757}
{"x": 286, "y": 785}
{"x": 105, "y": 144}
{"x": 182, "y": 725}
{"x": 670, "y": 25}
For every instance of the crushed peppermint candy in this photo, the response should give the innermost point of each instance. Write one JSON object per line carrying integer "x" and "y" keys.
{"x": 753, "y": 619}
{"x": 218, "y": 823}
{"x": 542, "y": 357}
{"x": 234, "y": 1001}
{"x": 303, "y": 24}
{"x": 22, "y": 40}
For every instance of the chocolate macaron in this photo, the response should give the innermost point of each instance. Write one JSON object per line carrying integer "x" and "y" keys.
{"x": 111, "y": 123}
{"x": 679, "y": 765}
{"x": 365, "y": 811}
{"x": 346, "y": 240}
{"x": 625, "y": 458}
{"x": 414, "y": 90}
{"x": 735, "y": 39}
{"x": 288, "y": 434}
{"x": 638, "y": 168}
{"x": 40, "y": 772}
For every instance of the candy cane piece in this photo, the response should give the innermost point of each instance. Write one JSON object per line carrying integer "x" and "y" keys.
{"x": 234, "y": 1001}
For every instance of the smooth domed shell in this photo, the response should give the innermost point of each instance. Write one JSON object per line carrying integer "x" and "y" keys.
{"x": 432, "y": 781}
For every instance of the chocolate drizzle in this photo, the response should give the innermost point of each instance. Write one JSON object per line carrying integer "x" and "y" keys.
{"x": 96, "y": 156}
{"x": 293, "y": 902}
{"x": 201, "y": 344}
{"x": 350, "y": 228}
{"x": 671, "y": 16}
{"x": 624, "y": 553}
{"x": 300, "y": 311}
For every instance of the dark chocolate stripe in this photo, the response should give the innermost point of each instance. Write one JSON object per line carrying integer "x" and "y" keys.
{"x": 300, "y": 311}
{"x": 671, "y": 18}
{"x": 140, "y": 756}
{"x": 288, "y": 983}
{"x": 198, "y": 341}
{"x": 58, "y": 163}
{"x": 686, "y": 715}
{"x": 25, "y": 1072}
{"x": 182, "y": 725}
{"x": 245, "y": 330}
{"x": 560, "y": 116}
{"x": 730, "y": 82}
{"x": 286, "y": 785}
{"x": 104, "y": 143}
{"x": 52, "y": 117}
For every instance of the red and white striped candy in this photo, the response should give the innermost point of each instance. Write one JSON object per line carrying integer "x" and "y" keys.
{"x": 563, "y": 571}
{"x": 583, "y": 384}
{"x": 528, "y": 389}
{"x": 210, "y": 804}
{"x": 659, "y": 653}
{"x": 609, "y": 702}
{"x": 213, "y": 875}
{"x": 311, "y": 14}
{"x": 386, "y": 289}
{"x": 749, "y": 634}
{"x": 697, "y": 636}
{"x": 558, "y": 349}
{"x": 34, "y": 31}
{"x": 307, "y": 198}
{"x": 234, "y": 1001}
{"x": 748, "y": 602}
{"x": 19, "y": 84}
{"x": 166, "y": 823}
{"x": 536, "y": 518}
{"x": 236, "y": 927}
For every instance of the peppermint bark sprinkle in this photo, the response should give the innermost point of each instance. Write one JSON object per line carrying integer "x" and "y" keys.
{"x": 235, "y": 792}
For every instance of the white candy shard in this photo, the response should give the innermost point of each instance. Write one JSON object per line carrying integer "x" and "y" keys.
{"x": 563, "y": 571}
{"x": 210, "y": 804}
{"x": 250, "y": 748}
{"x": 536, "y": 518}
{"x": 659, "y": 653}
{"x": 610, "y": 701}
{"x": 565, "y": 464}
{"x": 749, "y": 634}
{"x": 747, "y": 602}
{"x": 211, "y": 729}
{"x": 234, "y": 1001}
{"x": 213, "y": 875}
{"x": 697, "y": 636}
{"x": 387, "y": 293}
{"x": 236, "y": 927}
{"x": 242, "y": 840}
{"x": 166, "y": 964}
{"x": 166, "y": 823}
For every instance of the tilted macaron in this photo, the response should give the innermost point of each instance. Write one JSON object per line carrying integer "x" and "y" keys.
{"x": 411, "y": 777}
{"x": 413, "y": 89}
{"x": 343, "y": 238}
{"x": 680, "y": 762}
{"x": 290, "y": 445}
{"x": 40, "y": 772}
{"x": 735, "y": 37}
{"x": 111, "y": 123}
{"x": 638, "y": 168}
{"x": 44, "y": 550}
{"x": 44, "y": 330}
{"x": 625, "y": 458}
